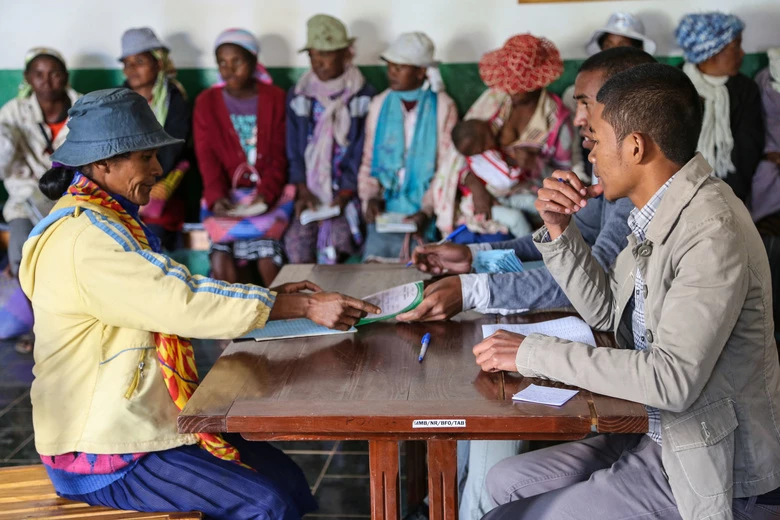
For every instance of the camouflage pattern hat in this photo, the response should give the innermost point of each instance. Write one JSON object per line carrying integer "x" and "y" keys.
{"x": 326, "y": 33}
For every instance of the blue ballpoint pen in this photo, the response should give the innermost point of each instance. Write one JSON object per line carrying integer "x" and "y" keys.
{"x": 449, "y": 237}
{"x": 426, "y": 339}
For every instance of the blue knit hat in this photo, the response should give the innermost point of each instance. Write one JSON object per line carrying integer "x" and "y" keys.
{"x": 704, "y": 35}
{"x": 110, "y": 122}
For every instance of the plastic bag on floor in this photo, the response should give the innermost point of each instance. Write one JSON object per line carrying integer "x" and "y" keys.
{"x": 16, "y": 316}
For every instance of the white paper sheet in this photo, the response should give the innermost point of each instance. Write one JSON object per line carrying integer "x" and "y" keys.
{"x": 394, "y": 301}
{"x": 285, "y": 329}
{"x": 544, "y": 395}
{"x": 322, "y": 213}
{"x": 570, "y": 328}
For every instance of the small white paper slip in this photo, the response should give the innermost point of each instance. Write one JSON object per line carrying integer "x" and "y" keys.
{"x": 544, "y": 395}
{"x": 570, "y": 328}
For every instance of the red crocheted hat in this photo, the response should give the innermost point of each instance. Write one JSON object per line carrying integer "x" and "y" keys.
{"x": 525, "y": 63}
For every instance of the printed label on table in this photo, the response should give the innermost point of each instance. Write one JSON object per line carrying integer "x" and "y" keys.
{"x": 439, "y": 423}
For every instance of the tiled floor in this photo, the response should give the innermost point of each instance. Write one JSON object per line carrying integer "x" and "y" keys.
{"x": 337, "y": 471}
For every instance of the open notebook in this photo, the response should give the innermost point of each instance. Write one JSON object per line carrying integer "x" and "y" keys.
{"x": 286, "y": 329}
{"x": 570, "y": 328}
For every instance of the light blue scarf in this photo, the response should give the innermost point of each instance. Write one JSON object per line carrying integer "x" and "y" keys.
{"x": 390, "y": 154}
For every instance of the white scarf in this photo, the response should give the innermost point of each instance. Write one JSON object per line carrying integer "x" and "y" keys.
{"x": 715, "y": 142}
{"x": 774, "y": 67}
{"x": 333, "y": 125}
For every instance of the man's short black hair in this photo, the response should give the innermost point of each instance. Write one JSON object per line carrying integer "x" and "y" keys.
{"x": 617, "y": 59}
{"x": 658, "y": 101}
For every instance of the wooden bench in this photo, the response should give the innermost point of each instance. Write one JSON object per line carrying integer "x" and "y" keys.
{"x": 27, "y": 492}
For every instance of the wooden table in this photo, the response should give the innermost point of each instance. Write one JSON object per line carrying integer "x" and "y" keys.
{"x": 369, "y": 386}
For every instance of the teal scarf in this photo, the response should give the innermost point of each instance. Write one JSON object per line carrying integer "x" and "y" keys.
{"x": 390, "y": 153}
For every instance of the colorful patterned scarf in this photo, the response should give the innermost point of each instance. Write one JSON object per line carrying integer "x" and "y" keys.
{"x": 391, "y": 154}
{"x": 333, "y": 126}
{"x": 175, "y": 354}
{"x": 161, "y": 96}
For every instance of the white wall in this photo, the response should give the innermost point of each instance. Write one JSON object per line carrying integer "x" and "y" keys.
{"x": 88, "y": 31}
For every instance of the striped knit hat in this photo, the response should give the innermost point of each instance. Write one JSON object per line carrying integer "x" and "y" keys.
{"x": 524, "y": 64}
{"x": 704, "y": 35}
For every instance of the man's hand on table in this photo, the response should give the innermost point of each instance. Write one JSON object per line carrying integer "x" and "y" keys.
{"x": 296, "y": 287}
{"x": 332, "y": 310}
{"x": 442, "y": 300}
{"x": 442, "y": 259}
{"x": 561, "y": 196}
{"x": 499, "y": 352}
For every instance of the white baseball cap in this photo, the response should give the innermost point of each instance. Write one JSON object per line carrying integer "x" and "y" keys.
{"x": 622, "y": 24}
{"x": 414, "y": 48}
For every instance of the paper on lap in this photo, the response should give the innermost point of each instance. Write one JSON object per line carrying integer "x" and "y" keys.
{"x": 394, "y": 223}
{"x": 322, "y": 213}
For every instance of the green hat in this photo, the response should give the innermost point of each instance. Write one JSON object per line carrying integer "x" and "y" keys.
{"x": 325, "y": 33}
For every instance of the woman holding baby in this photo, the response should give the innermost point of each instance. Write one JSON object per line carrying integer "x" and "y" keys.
{"x": 522, "y": 133}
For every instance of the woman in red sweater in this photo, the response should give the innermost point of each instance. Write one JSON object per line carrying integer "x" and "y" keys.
{"x": 239, "y": 131}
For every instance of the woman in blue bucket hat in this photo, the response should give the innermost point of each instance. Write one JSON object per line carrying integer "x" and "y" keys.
{"x": 112, "y": 365}
{"x": 149, "y": 71}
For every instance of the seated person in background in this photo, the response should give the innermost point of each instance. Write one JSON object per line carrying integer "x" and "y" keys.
{"x": 32, "y": 127}
{"x": 765, "y": 200}
{"x": 602, "y": 223}
{"x": 690, "y": 309}
{"x": 505, "y": 173}
{"x": 521, "y": 111}
{"x": 326, "y": 115}
{"x": 622, "y": 30}
{"x": 239, "y": 142}
{"x": 732, "y": 135}
{"x": 150, "y": 72}
{"x": 407, "y": 134}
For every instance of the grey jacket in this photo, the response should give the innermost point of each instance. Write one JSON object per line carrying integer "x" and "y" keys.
{"x": 604, "y": 226}
{"x": 711, "y": 366}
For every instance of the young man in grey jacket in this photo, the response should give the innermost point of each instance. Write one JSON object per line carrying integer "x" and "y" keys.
{"x": 603, "y": 225}
{"x": 689, "y": 301}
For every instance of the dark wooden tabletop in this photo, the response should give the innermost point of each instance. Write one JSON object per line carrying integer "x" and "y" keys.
{"x": 369, "y": 385}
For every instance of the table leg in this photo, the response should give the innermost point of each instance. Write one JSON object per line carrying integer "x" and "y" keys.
{"x": 383, "y": 464}
{"x": 443, "y": 480}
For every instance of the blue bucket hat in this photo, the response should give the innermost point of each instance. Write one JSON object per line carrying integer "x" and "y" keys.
{"x": 138, "y": 40}
{"x": 110, "y": 122}
{"x": 702, "y": 36}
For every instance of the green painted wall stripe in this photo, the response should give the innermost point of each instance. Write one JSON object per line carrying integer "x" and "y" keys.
{"x": 462, "y": 79}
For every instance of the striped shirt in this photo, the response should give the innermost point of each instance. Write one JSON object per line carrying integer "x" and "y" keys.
{"x": 639, "y": 220}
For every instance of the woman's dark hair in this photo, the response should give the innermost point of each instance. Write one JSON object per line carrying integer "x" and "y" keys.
{"x": 55, "y": 58}
{"x": 56, "y": 180}
{"x": 248, "y": 56}
{"x": 638, "y": 44}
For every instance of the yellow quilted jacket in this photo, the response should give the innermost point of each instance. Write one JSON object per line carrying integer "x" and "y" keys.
{"x": 97, "y": 299}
